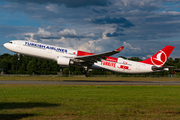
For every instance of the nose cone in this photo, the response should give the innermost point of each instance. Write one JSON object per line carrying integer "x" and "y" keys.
{"x": 8, "y": 46}
{"x": 5, "y": 45}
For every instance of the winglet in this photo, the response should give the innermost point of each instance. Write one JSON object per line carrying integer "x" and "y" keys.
{"x": 120, "y": 49}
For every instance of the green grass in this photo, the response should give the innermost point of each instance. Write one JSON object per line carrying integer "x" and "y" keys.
{"x": 112, "y": 78}
{"x": 89, "y": 102}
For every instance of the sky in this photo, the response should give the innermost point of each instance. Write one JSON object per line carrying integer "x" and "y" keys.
{"x": 143, "y": 27}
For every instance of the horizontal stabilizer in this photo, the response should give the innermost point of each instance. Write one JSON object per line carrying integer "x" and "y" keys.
{"x": 164, "y": 68}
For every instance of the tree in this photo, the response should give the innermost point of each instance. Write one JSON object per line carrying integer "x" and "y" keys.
{"x": 178, "y": 65}
{"x": 169, "y": 62}
{"x": 122, "y": 57}
{"x": 31, "y": 67}
{"x": 66, "y": 71}
{"x": 6, "y": 66}
{"x": 135, "y": 59}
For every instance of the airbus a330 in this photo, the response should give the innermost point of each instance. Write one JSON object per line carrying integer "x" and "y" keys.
{"x": 86, "y": 60}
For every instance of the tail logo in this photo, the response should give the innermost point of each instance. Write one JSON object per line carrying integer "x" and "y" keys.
{"x": 159, "y": 59}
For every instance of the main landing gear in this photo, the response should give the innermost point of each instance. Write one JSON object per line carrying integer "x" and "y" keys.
{"x": 85, "y": 71}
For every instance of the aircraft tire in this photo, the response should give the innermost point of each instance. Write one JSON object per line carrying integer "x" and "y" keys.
{"x": 87, "y": 74}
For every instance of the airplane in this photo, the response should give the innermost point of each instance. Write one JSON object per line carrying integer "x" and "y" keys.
{"x": 86, "y": 60}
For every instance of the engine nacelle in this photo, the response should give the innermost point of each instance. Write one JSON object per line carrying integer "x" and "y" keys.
{"x": 63, "y": 61}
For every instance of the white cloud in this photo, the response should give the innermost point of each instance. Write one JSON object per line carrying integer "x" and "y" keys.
{"x": 30, "y": 37}
{"x": 104, "y": 35}
{"x": 53, "y": 8}
{"x": 149, "y": 56}
{"x": 143, "y": 58}
{"x": 74, "y": 28}
{"x": 170, "y": 12}
{"x": 129, "y": 46}
{"x": 68, "y": 32}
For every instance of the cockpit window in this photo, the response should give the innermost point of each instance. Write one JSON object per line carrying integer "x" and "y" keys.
{"x": 10, "y": 42}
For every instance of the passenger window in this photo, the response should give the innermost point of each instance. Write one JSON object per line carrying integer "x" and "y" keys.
{"x": 11, "y": 42}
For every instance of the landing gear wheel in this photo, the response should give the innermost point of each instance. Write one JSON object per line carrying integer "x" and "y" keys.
{"x": 85, "y": 71}
{"x": 87, "y": 74}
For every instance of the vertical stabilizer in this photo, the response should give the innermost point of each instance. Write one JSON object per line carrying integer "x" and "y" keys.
{"x": 160, "y": 57}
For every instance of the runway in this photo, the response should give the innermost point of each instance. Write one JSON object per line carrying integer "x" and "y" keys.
{"x": 83, "y": 82}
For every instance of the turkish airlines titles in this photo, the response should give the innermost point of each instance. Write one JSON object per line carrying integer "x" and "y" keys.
{"x": 110, "y": 64}
{"x": 45, "y": 47}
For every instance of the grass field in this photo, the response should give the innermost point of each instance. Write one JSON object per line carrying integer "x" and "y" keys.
{"x": 89, "y": 102}
{"x": 110, "y": 78}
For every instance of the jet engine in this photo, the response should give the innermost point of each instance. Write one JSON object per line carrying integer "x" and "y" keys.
{"x": 64, "y": 62}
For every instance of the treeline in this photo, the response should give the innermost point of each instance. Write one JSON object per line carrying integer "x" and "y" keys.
{"x": 31, "y": 65}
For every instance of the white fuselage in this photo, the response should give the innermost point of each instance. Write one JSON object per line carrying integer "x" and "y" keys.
{"x": 124, "y": 66}
{"x": 52, "y": 52}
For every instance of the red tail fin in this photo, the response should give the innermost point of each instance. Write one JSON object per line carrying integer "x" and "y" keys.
{"x": 160, "y": 57}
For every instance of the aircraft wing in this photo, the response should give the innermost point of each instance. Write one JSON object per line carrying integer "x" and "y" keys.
{"x": 98, "y": 57}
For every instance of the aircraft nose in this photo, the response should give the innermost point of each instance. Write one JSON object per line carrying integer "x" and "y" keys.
{"x": 5, "y": 45}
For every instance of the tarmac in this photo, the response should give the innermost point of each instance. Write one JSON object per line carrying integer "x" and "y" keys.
{"x": 87, "y": 82}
